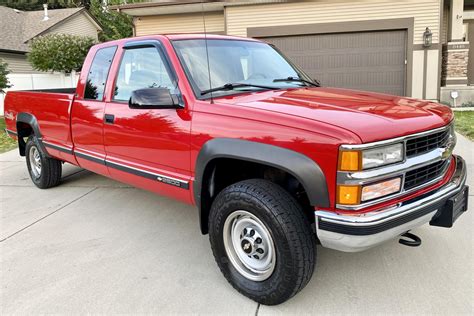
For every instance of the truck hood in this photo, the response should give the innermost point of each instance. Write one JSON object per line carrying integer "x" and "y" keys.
{"x": 371, "y": 116}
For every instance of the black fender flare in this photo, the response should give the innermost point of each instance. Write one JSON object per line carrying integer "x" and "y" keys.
{"x": 31, "y": 120}
{"x": 303, "y": 168}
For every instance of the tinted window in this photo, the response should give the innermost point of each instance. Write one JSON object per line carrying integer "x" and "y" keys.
{"x": 98, "y": 72}
{"x": 141, "y": 68}
{"x": 234, "y": 61}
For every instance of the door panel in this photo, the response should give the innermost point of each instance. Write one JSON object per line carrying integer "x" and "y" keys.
{"x": 372, "y": 61}
{"x": 148, "y": 148}
{"x": 87, "y": 117}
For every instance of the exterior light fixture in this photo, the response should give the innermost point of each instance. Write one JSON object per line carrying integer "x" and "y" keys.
{"x": 427, "y": 38}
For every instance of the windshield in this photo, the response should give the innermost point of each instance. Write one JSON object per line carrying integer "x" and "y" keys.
{"x": 234, "y": 61}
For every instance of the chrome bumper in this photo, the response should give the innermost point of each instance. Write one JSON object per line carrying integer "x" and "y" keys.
{"x": 357, "y": 233}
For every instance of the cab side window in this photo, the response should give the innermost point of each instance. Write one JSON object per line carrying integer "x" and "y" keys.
{"x": 141, "y": 68}
{"x": 97, "y": 77}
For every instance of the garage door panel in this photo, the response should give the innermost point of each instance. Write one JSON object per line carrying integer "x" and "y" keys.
{"x": 373, "y": 61}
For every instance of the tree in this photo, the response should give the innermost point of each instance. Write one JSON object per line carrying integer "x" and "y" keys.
{"x": 59, "y": 52}
{"x": 115, "y": 24}
{"x": 4, "y": 83}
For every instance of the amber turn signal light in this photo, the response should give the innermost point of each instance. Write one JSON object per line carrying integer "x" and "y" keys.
{"x": 350, "y": 160}
{"x": 348, "y": 194}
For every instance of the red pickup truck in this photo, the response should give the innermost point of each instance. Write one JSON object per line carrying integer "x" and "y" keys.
{"x": 274, "y": 162}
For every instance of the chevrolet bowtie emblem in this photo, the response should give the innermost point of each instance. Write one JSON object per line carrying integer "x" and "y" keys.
{"x": 246, "y": 246}
{"x": 448, "y": 150}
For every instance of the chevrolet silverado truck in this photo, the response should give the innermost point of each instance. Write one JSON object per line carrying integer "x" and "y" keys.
{"x": 274, "y": 162}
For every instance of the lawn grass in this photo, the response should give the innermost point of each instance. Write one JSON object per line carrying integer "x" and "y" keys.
{"x": 6, "y": 143}
{"x": 464, "y": 123}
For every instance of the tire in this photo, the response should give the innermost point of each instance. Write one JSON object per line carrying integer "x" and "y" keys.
{"x": 268, "y": 210}
{"x": 44, "y": 172}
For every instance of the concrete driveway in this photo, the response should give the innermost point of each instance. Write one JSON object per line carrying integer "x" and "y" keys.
{"x": 93, "y": 245}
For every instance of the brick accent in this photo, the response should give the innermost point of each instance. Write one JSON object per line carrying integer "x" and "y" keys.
{"x": 455, "y": 61}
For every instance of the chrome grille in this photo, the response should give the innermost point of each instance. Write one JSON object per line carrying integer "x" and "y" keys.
{"x": 426, "y": 143}
{"x": 424, "y": 174}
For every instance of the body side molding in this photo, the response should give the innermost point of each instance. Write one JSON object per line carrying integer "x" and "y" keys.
{"x": 303, "y": 168}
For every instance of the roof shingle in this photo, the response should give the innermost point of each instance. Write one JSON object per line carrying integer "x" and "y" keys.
{"x": 18, "y": 27}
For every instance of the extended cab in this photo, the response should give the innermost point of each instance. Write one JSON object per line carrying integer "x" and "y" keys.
{"x": 274, "y": 162}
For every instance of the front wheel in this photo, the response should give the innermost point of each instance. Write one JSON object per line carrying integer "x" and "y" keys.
{"x": 45, "y": 172}
{"x": 262, "y": 241}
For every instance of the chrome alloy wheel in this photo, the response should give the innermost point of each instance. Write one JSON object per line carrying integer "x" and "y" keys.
{"x": 35, "y": 161}
{"x": 249, "y": 246}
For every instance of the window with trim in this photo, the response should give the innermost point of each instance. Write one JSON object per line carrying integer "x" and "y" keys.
{"x": 98, "y": 73}
{"x": 141, "y": 68}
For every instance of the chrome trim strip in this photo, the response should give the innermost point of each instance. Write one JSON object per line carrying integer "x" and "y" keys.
{"x": 394, "y": 140}
{"x": 133, "y": 170}
{"x": 64, "y": 149}
{"x": 80, "y": 154}
{"x": 402, "y": 192}
{"x": 391, "y": 171}
{"x": 159, "y": 177}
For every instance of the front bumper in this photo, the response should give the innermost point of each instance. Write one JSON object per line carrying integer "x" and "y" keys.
{"x": 357, "y": 233}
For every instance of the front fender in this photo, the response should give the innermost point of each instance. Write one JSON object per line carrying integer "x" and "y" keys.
{"x": 303, "y": 168}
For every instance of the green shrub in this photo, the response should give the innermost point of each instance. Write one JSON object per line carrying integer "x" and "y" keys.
{"x": 59, "y": 52}
{"x": 4, "y": 83}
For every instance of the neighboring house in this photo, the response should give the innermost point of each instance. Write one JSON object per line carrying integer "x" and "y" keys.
{"x": 18, "y": 28}
{"x": 366, "y": 44}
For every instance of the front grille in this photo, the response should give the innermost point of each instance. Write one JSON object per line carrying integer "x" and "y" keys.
{"x": 422, "y": 144}
{"x": 424, "y": 174}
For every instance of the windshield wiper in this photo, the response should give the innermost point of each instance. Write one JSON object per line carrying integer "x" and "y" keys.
{"x": 232, "y": 86}
{"x": 293, "y": 79}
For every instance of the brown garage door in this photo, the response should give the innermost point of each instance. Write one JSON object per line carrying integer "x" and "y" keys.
{"x": 373, "y": 61}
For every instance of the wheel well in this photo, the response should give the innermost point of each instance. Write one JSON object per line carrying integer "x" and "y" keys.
{"x": 24, "y": 130}
{"x": 222, "y": 172}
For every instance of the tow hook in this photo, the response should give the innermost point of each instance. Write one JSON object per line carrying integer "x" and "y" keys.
{"x": 411, "y": 241}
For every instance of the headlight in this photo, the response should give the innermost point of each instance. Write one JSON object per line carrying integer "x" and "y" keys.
{"x": 355, "y": 160}
{"x": 382, "y": 156}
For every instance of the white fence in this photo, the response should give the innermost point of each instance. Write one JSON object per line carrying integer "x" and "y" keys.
{"x": 39, "y": 81}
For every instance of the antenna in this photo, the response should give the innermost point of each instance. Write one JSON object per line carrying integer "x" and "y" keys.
{"x": 207, "y": 50}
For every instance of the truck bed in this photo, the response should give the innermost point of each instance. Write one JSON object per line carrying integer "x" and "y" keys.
{"x": 51, "y": 108}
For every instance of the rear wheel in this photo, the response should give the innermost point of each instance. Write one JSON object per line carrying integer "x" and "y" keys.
{"x": 44, "y": 172}
{"x": 262, "y": 241}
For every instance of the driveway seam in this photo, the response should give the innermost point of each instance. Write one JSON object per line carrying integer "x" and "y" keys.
{"x": 47, "y": 215}
{"x": 258, "y": 308}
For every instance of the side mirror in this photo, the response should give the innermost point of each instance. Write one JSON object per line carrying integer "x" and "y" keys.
{"x": 152, "y": 98}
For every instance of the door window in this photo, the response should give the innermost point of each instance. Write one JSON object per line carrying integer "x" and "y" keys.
{"x": 98, "y": 73}
{"x": 139, "y": 69}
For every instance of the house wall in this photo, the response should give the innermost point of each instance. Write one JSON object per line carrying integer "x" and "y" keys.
{"x": 17, "y": 63}
{"x": 180, "y": 23}
{"x": 79, "y": 24}
{"x": 426, "y": 13}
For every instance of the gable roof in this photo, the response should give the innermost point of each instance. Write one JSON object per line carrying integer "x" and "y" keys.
{"x": 18, "y": 27}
